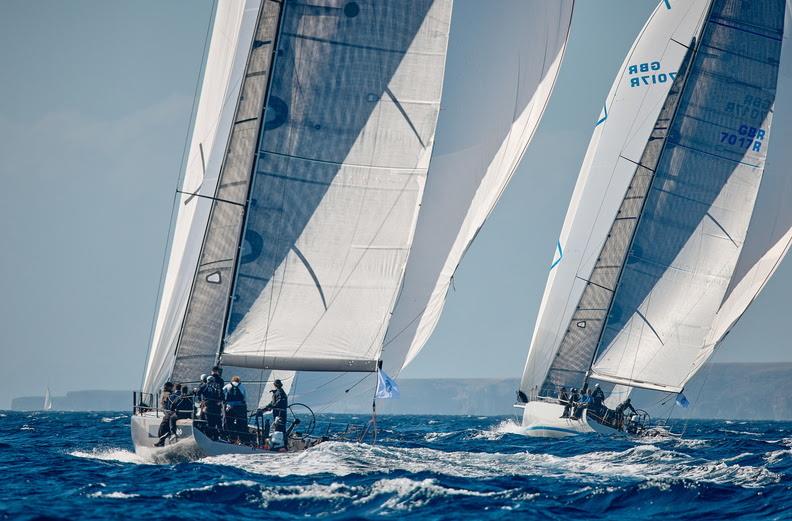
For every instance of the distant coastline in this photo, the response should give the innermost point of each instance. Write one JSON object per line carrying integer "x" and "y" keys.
{"x": 720, "y": 391}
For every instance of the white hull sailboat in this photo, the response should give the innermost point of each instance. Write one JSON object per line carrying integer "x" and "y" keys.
{"x": 679, "y": 216}
{"x": 310, "y": 237}
{"x": 309, "y": 152}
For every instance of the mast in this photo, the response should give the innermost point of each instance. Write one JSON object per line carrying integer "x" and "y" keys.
{"x": 202, "y": 328}
{"x": 674, "y": 96}
{"x": 241, "y": 237}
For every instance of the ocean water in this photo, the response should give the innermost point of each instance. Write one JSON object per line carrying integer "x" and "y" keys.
{"x": 82, "y": 465}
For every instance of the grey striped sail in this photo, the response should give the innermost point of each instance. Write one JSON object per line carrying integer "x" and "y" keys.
{"x": 310, "y": 148}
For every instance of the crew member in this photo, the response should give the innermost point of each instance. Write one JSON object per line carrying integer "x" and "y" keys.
{"x": 235, "y": 407}
{"x": 164, "y": 428}
{"x": 279, "y": 405}
{"x": 563, "y": 399}
{"x": 213, "y": 398}
{"x": 621, "y": 410}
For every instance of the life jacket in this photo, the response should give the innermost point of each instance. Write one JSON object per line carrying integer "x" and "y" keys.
{"x": 213, "y": 391}
{"x": 235, "y": 395}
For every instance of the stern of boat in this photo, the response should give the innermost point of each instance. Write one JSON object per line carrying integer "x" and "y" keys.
{"x": 543, "y": 419}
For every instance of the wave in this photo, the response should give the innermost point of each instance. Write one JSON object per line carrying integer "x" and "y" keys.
{"x": 113, "y": 495}
{"x": 498, "y": 431}
{"x": 110, "y": 419}
{"x": 111, "y": 454}
{"x": 634, "y": 464}
{"x": 396, "y": 494}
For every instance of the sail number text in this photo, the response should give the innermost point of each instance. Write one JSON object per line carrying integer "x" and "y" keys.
{"x": 746, "y": 137}
{"x": 751, "y": 106}
{"x": 646, "y": 74}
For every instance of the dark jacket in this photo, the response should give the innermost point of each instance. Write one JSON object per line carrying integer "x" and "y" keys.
{"x": 279, "y": 402}
{"x": 624, "y": 407}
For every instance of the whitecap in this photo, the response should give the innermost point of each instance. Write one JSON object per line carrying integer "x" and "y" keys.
{"x": 691, "y": 443}
{"x": 498, "y": 431}
{"x": 408, "y": 494}
{"x": 109, "y": 419}
{"x": 111, "y": 454}
{"x": 638, "y": 463}
{"x": 113, "y": 495}
{"x": 434, "y": 436}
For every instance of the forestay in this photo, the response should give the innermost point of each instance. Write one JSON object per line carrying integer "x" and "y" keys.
{"x": 495, "y": 96}
{"x": 337, "y": 183}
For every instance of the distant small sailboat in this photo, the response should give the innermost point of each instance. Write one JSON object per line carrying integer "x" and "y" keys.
{"x": 47, "y": 400}
{"x": 679, "y": 216}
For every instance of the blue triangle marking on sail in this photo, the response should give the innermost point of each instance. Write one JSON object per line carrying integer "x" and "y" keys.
{"x": 667, "y": 4}
{"x": 560, "y": 255}
{"x": 604, "y": 117}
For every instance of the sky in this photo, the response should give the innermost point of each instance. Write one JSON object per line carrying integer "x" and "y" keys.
{"x": 96, "y": 98}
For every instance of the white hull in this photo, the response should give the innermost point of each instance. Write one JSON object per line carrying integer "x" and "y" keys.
{"x": 189, "y": 444}
{"x": 543, "y": 419}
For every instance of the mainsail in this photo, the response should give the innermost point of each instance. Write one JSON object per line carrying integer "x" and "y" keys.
{"x": 659, "y": 259}
{"x": 296, "y": 220}
{"x": 495, "y": 97}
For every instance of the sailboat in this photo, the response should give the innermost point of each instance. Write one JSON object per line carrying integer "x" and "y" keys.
{"x": 313, "y": 237}
{"x": 679, "y": 216}
{"x": 47, "y": 401}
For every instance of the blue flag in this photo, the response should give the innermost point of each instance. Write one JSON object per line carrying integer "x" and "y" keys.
{"x": 682, "y": 401}
{"x": 386, "y": 387}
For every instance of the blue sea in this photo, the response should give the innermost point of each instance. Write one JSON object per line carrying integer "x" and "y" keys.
{"x": 81, "y": 465}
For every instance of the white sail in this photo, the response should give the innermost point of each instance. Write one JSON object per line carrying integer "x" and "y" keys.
{"x": 47, "y": 400}
{"x": 338, "y": 184}
{"x": 232, "y": 32}
{"x": 494, "y": 103}
{"x": 696, "y": 217}
{"x": 626, "y": 122}
{"x": 654, "y": 272}
{"x": 770, "y": 233}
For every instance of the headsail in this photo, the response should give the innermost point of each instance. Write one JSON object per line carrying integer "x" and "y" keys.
{"x": 230, "y": 42}
{"x": 662, "y": 206}
{"x": 488, "y": 120}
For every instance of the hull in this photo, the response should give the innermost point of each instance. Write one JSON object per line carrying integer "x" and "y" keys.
{"x": 189, "y": 444}
{"x": 543, "y": 420}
